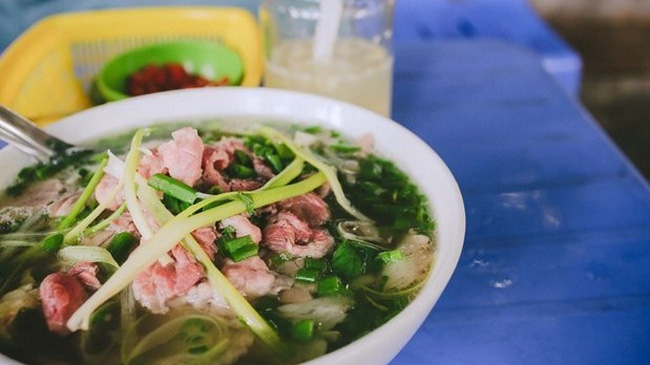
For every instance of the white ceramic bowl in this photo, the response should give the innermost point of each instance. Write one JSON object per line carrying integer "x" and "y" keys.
{"x": 391, "y": 139}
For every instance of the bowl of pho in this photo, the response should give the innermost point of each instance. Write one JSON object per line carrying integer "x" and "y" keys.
{"x": 224, "y": 226}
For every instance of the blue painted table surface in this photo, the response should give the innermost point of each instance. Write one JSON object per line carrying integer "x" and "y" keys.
{"x": 556, "y": 263}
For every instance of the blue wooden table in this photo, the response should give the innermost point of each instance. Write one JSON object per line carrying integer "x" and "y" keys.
{"x": 557, "y": 256}
{"x": 556, "y": 264}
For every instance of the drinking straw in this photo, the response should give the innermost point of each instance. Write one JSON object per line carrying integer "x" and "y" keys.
{"x": 327, "y": 29}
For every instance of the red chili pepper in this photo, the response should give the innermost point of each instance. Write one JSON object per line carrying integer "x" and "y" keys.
{"x": 170, "y": 76}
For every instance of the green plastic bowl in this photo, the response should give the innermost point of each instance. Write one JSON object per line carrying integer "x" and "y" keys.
{"x": 210, "y": 60}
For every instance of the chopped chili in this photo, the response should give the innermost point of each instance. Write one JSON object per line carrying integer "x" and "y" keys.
{"x": 170, "y": 76}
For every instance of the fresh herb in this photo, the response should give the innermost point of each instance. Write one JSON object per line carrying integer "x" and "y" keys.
{"x": 276, "y": 162}
{"x": 52, "y": 243}
{"x": 241, "y": 172}
{"x": 313, "y": 129}
{"x": 237, "y": 249}
{"x": 307, "y": 275}
{"x": 348, "y": 261}
{"x": 388, "y": 196}
{"x": 121, "y": 246}
{"x": 174, "y": 205}
{"x": 319, "y": 265}
{"x": 44, "y": 170}
{"x": 173, "y": 188}
{"x": 243, "y": 158}
{"x": 303, "y": 330}
{"x": 391, "y": 256}
{"x": 278, "y": 155}
{"x": 279, "y": 259}
{"x": 344, "y": 148}
{"x": 329, "y": 286}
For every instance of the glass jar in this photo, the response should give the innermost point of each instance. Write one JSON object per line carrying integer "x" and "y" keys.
{"x": 360, "y": 67}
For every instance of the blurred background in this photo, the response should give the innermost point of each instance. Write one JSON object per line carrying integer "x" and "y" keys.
{"x": 609, "y": 37}
{"x": 612, "y": 37}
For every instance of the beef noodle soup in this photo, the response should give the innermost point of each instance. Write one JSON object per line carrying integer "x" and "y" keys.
{"x": 208, "y": 245}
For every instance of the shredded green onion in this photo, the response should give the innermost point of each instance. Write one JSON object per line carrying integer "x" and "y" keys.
{"x": 174, "y": 231}
{"x": 106, "y": 222}
{"x": 217, "y": 280}
{"x": 83, "y": 198}
{"x": 81, "y": 226}
{"x": 131, "y": 165}
{"x": 292, "y": 171}
{"x": 76, "y": 254}
{"x": 323, "y": 167}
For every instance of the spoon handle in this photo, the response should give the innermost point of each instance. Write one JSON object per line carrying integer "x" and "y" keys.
{"x": 27, "y": 137}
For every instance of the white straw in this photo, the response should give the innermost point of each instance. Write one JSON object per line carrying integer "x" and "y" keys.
{"x": 327, "y": 29}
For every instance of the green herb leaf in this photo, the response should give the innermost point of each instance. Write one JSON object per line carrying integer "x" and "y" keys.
{"x": 329, "y": 286}
{"x": 173, "y": 188}
{"x": 121, "y": 246}
{"x": 391, "y": 256}
{"x": 307, "y": 275}
{"x": 313, "y": 129}
{"x": 303, "y": 330}
{"x": 347, "y": 261}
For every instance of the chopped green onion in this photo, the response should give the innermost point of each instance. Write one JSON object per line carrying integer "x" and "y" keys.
{"x": 391, "y": 256}
{"x": 83, "y": 198}
{"x": 174, "y": 205}
{"x": 242, "y": 172}
{"x": 342, "y": 148}
{"x": 283, "y": 151}
{"x": 174, "y": 188}
{"x": 280, "y": 259}
{"x": 275, "y": 161}
{"x": 238, "y": 249}
{"x": 303, "y": 330}
{"x": 121, "y": 246}
{"x": 228, "y": 233}
{"x": 316, "y": 264}
{"x": 307, "y": 275}
{"x": 53, "y": 242}
{"x": 348, "y": 261}
{"x": 243, "y": 158}
{"x": 244, "y": 252}
{"x": 315, "y": 129}
{"x": 237, "y": 243}
{"x": 215, "y": 190}
{"x": 329, "y": 286}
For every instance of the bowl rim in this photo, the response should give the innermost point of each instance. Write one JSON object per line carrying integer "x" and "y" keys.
{"x": 282, "y": 104}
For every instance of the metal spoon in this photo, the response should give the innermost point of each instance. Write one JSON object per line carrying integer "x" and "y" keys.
{"x": 21, "y": 133}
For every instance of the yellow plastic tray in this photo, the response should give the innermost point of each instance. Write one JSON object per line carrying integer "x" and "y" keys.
{"x": 47, "y": 73}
